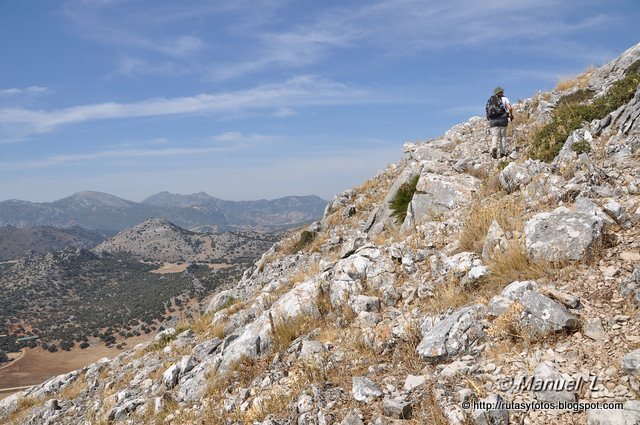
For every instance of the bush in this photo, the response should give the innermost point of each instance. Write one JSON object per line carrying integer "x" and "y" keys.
{"x": 581, "y": 147}
{"x": 400, "y": 202}
{"x": 572, "y": 110}
{"x": 306, "y": 237}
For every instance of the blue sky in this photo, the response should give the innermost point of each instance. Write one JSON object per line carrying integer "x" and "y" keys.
{"x": 262, "y": 99}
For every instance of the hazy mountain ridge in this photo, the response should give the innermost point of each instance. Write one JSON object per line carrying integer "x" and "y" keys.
{"x": 104, "y": 212}
{"x": 159, "y": 240}
{"x": 16, "y": 242}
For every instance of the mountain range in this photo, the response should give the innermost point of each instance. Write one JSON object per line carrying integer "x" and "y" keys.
{"x": 15, "y": 242}
{"x": 159, "y": 240}
{"x": 110, "y": 214}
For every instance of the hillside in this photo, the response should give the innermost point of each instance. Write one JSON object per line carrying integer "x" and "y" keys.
{"x": 15, "y": 242}
{"x": 110, "y": 214}
{"x": 446, "y": 282}
{"x": 159, "y": 240}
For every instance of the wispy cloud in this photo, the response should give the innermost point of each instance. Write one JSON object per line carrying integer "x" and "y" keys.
{"x": 296, "y": 92}
{"x": 31, "y": 90}
{"x": 132, "y": 66}
{"x": 120, "y": 23}
{"x": 287, "y": 49}
{"x": 239, "y": 137}
{"x": 405, "y": 27}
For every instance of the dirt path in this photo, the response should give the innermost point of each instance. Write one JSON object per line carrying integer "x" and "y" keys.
{"x": 15, "y": 360}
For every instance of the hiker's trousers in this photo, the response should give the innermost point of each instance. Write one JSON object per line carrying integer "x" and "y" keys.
{"x": 499, "y": 140}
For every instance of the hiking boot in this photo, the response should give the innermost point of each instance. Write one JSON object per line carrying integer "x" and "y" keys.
{"x": 494, "y": 153}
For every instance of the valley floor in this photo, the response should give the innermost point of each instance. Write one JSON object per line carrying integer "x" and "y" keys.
{"x": 38, "y": 365}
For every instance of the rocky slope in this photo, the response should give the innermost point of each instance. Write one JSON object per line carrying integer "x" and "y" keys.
{"x": 159, "y": 240}
{"x": 502, "y": 280}
{"x": 108, "y": 213}
{"x": 14, "y": 242}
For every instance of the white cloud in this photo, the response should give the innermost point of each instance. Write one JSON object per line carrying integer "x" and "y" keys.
{"x": 31, "y": 90}
{"x": 287, "y": 49}
{"x": 131, "y": 66}
{"x": 296, "y": 92}
{"x": 239, "y": 137}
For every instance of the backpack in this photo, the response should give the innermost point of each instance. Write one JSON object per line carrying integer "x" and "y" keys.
{"x": 495, "y": 108}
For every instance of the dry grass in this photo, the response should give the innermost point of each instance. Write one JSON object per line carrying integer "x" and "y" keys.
{"x": 24, "y": 406}
{"x": 428, "y": 411}
{"x": 513, "y": 264}
{"x": 276, "y": 403}
{"x": 74, "y": 389}
{"x": 217, "y": 330}
{"x": 450, "y": 295}
{"x": 507, "y": 325}
{"x": 505, "y": 267}
{"x": 285, "y": 331}
{"x": 319, "y": 241}
{"x": 506, "y": 210}
{"x": 580, "y": 81}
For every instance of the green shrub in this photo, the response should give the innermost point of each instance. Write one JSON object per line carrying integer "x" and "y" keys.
{"x": 400, "y": 202}
{"x": 581, "y": 147}
{"x": 634, "y": 68}
{"x": 503, "y": 164}
{"x": 573, "y": 110}
{"x": 306, "y": 237}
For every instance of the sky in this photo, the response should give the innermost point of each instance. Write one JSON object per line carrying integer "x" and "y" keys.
{"x": 251, "y": 99}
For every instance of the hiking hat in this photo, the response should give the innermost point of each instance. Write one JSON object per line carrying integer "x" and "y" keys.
{"x": 498, "y": 90}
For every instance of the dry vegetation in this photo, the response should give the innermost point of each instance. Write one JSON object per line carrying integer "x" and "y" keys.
{"x": 508, "y": 211}
{"x": 580, "y": 81}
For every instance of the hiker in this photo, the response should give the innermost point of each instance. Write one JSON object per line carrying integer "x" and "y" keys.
{"x": 499, "y": 112}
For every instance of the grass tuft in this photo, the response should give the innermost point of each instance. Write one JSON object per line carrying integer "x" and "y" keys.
{"x": 507, "y": 211}
{"x": 400, "y": 202}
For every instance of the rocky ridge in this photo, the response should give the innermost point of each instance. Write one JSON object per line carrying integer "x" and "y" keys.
{"x": 156, "y": 239}
{"x": 501, "y": 275}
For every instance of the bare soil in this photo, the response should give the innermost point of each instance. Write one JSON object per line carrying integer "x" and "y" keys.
{"x": 38, "y": 365}
{"x": 180, "y": 267}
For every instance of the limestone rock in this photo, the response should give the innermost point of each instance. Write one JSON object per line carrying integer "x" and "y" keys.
{"x": 561, "y": 235}
{"x": 542, "y": 315}
{"x": 495, "y": 239}
{"x": 364, "y": 389}
{"x": 545, "y": 372}
{"x": 414, "y": 381}
{"x": 618, "y": 213}
{"x": 491, "y": 417}
{"x": 438, "y": 195}
{"x": 631, "y": 363}
{"x": 352, "y": 418}
{"x": 452, "y": 335}
{"x": 594, "y": 330}
{"x": 398, "y": 409}
{"x": 170, "y": 376}
{"x": 613, "y": 417}
{"x": 516, "y": 175}
{"x": 221, "y": 299}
